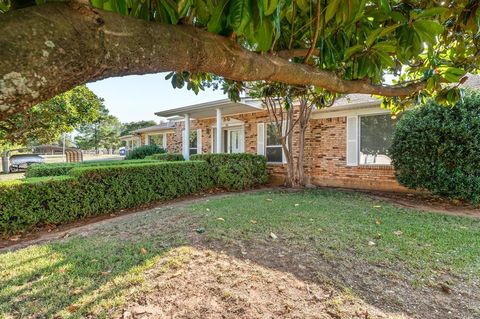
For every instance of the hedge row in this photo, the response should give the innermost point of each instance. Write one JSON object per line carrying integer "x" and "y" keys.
{"x": 236, "y": 171}
{"x": 57, "y": 169}
{"x": 166, "y": 157}
{"x": 145, "y": 150}
{"x": 89, "y": 191}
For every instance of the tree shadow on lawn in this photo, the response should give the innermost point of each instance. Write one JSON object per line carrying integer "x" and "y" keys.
{"x": 96, "y": 270}
{"x": 88, "y": 273}
{"x": 424, "y": 265}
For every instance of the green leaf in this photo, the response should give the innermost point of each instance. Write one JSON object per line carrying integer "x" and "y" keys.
{"x": 352, "y": 50}
{"x": 427, "y": 29}
{"x": 239, "y": 15}
{"x": 264, "y": 35}
{"x": 269, "y": 6}
{"x": 331, "y": 10}
{"x": 215, "y": 23}
{"x": 431, "y": 12}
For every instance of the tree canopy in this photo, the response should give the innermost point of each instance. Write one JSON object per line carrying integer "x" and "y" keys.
{"x": 104, "y": 133}
{"x": 127, "y": 128}
{"x": 45, "y": 122}
{"x": 341, "y": 46}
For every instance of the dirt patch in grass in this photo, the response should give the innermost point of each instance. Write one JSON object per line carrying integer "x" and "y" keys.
{"x": 388, "y": 288}
{"x": 209, "y": 284}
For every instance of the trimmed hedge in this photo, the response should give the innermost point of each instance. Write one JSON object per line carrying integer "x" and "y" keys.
{"x": 437, "y": 148}
{"x": 90, "y": 191}
{"x": 236, "y": 171}
{"x": 57, "y": 169}
{"x": 145, "y": 150}
{"x": 167, "y": 157}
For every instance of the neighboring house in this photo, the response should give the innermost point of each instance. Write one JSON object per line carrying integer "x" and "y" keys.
{"x": 346, "y": 144}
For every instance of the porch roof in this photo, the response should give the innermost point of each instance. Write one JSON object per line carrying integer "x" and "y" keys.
{"x": 208, "y": 110}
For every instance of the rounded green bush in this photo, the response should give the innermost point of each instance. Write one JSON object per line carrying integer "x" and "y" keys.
{"x": 145, "y": 150}
{"x": 437, "y": 148}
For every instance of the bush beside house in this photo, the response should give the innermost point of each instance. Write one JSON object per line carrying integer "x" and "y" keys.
{"x": 145, "y": 150}
{"x": 236, "y": 171}
{"x": 437, "y": 148}
{"x": 89, "y": 191}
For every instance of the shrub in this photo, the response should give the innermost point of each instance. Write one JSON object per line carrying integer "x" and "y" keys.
{"x": 236, "y": 171}
{"x": 167, "y": 157}
{"x": 145, "y": 150}
{"x": 90, "y": 191}
{"x": 57, "y": 169}
{"x": 437, "y": 148}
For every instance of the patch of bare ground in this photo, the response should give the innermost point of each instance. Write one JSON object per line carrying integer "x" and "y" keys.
{"x": 211, "y": 284}
{"x": 389, "y": 289}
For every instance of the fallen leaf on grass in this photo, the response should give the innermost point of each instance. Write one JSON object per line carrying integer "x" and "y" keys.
{"x": 273, "y": 236}
{"x": 62, "y": 270}
{"x": 208, "y": 209}
{"x": 15, "y": 238}
{"x": 371, "y": 243}
{"x": 106, "y": 273}
{"x": 378, "y": 221}
{"x": 377, "y": 206}
{"x": 72, "y": 308}
{"x": 221, "y": 219}
{"x": 296, "y": 205}
{"x": 269, "y": 199}
{"x": 253, "y": 221}
{"x": 143, "y": 251}
{"x": 398, "y": 232}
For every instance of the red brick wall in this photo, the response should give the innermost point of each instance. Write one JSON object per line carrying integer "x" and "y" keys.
{"x": 325, "y": 153}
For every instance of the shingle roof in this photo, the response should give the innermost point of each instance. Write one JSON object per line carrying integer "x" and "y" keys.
{"x": 158, "y": 127}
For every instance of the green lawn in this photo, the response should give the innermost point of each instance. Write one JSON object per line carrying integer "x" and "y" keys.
{"x": 93, "y": 271}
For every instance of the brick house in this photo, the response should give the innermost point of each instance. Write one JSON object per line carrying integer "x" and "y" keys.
{"x": 346, "y": 145}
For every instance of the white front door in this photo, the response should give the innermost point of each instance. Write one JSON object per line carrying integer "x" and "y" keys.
{"x": 235, "y": 140}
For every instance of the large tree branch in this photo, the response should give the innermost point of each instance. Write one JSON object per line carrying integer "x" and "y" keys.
{"x": 48, "y": 49}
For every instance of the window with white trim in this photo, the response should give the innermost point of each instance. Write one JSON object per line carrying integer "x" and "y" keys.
{"x": 156, "y": 139}
{"x": 193, "y": 143}
{"x": 273, "y": 147}
{"x": 376, "y": 134}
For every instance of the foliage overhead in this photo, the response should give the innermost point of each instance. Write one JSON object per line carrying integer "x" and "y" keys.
{"x": 45, "y": 122}
{"x": 436, "y": 41}
{"x": 437, "y": 148}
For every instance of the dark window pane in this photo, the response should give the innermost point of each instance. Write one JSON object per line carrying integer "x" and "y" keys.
{"x": 155, "y": 140}
{"x": 193, "y": 151}
{"x": 272, "y": 134}
{"x": 376, "y": 133}
{"x": 274, "y": 154}
{"x": 193, "y": 139}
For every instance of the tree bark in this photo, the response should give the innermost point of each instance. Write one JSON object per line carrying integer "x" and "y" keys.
{"x": 48, "y": 49}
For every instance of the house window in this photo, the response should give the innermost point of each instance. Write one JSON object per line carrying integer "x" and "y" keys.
{"x": 273, "y": 148}
{"x": 376, "y": 134}
{"x": 155, "y": 140}
{"x": 193, "y": 143}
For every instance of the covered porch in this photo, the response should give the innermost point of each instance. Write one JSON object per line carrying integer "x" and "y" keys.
{"x": 225, "y": 134}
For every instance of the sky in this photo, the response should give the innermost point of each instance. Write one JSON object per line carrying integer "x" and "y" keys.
{"x": 138, "y": 97}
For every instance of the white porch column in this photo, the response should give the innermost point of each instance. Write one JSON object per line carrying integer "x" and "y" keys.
{"x": 219, "y": 131}
{"x": 186, "y": 137}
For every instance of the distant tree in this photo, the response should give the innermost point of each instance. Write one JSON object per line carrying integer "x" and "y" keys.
{"x": 127, "y": 128}
{"x": 102, "y": 133}
{"x": 45, "y": 122}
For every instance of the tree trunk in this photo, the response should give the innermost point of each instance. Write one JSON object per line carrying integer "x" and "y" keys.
{"x": 51, "y": 48}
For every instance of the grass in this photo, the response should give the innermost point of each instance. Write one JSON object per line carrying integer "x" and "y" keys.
{"x": 92, "y": 273}
{"x": 341, "y": 225}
